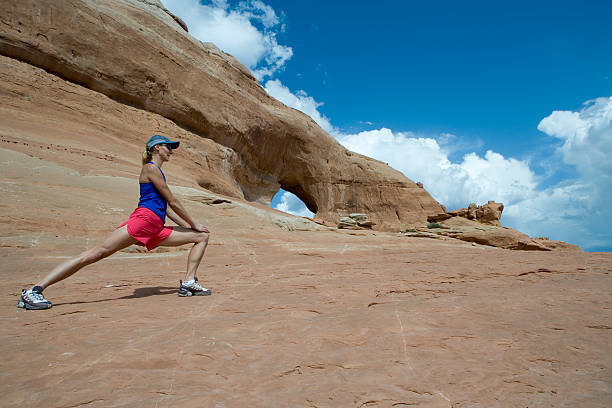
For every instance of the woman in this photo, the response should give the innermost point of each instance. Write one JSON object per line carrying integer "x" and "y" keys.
{"x": 144, "y": 227}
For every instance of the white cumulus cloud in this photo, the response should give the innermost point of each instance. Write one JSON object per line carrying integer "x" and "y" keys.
{"x": 578, "y": 209}
{"x": 247, "y": 31}
{"x": 474, "y": 179}
{"x": 300, "y": 101}
{"x": 586, "y": 136}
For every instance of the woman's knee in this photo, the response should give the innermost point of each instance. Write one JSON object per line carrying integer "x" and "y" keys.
{"x": 202, "y": 237}
{"x": 94, "y": 255}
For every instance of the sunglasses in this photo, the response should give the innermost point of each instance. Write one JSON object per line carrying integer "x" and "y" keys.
{"x": 161, "y": 144}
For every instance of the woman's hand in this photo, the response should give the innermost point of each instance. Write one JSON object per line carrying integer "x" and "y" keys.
{"x": 199, "y": 227}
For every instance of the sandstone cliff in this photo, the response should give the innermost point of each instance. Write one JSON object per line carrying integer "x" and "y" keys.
{"x": 138, "y": 54}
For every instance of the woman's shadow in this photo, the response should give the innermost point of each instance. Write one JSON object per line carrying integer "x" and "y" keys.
{"x": 138, "y": 293}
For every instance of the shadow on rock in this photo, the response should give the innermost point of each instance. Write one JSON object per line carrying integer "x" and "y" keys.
{"x": 138, "y": 293}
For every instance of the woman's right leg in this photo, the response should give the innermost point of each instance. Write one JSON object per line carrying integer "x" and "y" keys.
{"x": 182, "y": 236}
{"x": 117, "y": 240}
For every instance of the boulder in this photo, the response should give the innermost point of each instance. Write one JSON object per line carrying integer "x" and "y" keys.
{"x": 355, "y": 221}
{"x": 347, "y": 223}
{"x": 362, "y": 219}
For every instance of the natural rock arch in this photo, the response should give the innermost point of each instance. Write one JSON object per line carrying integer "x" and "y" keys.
{"x": 134, "y": 52}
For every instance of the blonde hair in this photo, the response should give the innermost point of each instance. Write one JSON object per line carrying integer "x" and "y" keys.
{"x": 146, "y": 156}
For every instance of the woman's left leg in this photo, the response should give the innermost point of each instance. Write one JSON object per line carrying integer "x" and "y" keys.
{"x": 117, "y": 240}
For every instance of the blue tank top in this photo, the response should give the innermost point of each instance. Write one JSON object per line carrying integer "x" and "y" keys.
{"x": 151, "y": 198}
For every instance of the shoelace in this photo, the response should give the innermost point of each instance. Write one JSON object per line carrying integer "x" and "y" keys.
{"x": 197, "y": 286}
{"x": 194, "y": 286}
{"x": 36, "y": 296}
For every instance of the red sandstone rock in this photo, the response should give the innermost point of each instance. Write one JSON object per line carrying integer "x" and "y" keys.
{"x": 489, "y": 213}
{"x": 310, "y": 318}
{"x": 480, "y": 224}
{"x": 552, "y": 244}
{"x": 502, "y": 237}
{"x": 135, "y": 52}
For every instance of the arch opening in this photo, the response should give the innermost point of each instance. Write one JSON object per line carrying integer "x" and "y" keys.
{"x": 290, "y": 203}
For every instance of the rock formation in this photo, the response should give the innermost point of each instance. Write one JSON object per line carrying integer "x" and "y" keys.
{"x": 488, "y": 214}
{"x": 480, "y": 224}
{"x": 137, "y": 53}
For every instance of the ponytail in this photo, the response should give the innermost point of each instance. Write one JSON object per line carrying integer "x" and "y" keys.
{"x": 146, "y": 156}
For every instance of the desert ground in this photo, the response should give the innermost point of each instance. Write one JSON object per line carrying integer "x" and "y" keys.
{"x": 300, "y": 315}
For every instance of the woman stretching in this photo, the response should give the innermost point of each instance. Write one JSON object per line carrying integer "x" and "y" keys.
{"x": 145, "y": 227}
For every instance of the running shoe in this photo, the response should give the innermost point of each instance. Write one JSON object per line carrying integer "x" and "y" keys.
{"x": 33, "y": 299}
{"x": 193, "y": 289}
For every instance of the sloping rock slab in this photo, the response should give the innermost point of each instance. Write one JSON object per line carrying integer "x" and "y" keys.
{"x": 552, "y": 244}
{"x": 501, "y": 237}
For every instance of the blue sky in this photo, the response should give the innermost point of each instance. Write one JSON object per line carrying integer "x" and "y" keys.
{"x": 459, "y": 67}
{"x": 478, "y": 100}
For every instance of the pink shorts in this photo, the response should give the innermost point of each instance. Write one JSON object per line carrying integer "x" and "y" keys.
{"x": 146, "y": 227}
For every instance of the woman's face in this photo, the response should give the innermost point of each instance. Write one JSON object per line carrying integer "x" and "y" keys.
{"x": 164, "y": 152}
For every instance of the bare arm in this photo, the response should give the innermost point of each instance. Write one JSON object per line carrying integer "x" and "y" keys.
{"x": 152, "y": 173}
{"x": 178, "y": 220}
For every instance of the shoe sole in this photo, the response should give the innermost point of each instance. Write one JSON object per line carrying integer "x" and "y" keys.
{"x": 27, "y": 306}
{"x": 189, "y": 293}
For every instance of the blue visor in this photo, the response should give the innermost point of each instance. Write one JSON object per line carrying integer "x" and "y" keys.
{"x": 159, "y": 139}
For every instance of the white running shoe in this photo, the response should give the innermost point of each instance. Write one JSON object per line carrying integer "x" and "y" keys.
{"x": 193, "y": 289}
{"x": 33, "y": 299}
